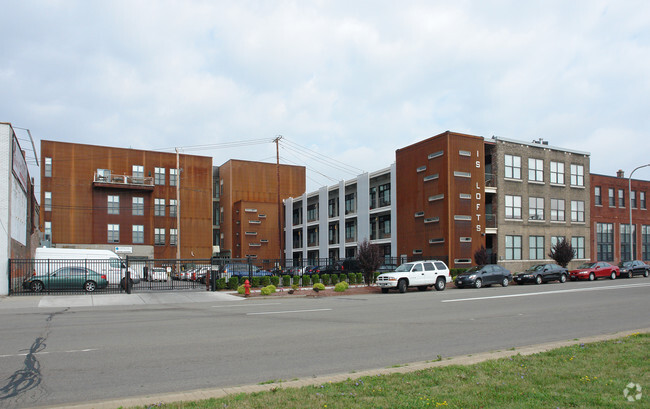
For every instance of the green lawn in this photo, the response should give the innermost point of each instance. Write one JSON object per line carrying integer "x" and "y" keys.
{"x": 580, "y": 376}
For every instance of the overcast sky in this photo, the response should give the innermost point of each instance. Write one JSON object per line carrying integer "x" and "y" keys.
{"x": 350, "y": 80}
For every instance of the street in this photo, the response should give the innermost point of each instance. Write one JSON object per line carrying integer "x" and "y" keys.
{"x": 62, "y": 355}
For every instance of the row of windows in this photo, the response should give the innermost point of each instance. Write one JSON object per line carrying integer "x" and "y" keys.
{"x": 605, "y": 241}
{"x": 536, "y": 171}
{"x": 138, "y": 235}
{"x": 598, "y": 197}
{"x": 537, "y": 249}
{"x": 536, "y": 209}
{"x": 137, "y": 209}
{"x": 137, "y": 171}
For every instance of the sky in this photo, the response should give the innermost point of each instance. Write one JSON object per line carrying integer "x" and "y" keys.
{"x": 345, "y": 83}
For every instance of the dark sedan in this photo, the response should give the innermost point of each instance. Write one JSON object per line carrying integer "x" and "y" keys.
{"x": 484, "y": 275}
{"x": 542, "y": 273}
{"x": 67, "y": 278}
{"x": 634, "y": 268}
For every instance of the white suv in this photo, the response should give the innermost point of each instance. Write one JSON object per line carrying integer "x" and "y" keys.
{"x": 420, "y": 274}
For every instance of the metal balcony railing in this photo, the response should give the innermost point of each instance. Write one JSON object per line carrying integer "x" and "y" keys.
{"x": 123, "y": 180}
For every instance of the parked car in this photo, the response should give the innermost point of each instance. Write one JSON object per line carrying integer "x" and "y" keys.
{"x": 632, "y": 268}
{"x": 542, "y": 273}
{"x": 592, "y": 271}
{"x": 66, "y": 278}
{"x": 243, "y": 270}
{"x": 420, "y": 274}
{"x": 157, "y": 274}
{"x": 485, "y": 275}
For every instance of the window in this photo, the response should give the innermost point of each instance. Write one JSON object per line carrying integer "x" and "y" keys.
{"x": 625, "y": 242}
{"x": 421, "y": 169}
{"x": 621, "y": 198}
{"x": 465, "y": 153}
{"x": 536, "y": 247}
{"x": 605, "y": 241}
{"x": 598, "y": 198}
{"x": 513, "y": 247}
{"x": 557, "y": 173}
{"x": 350, "y": 231}
{"x": 535, "y": 170}
{"x": 578, "y": 244}
{"x": 431, "y": 177}
{"x": 47, "y": 170}
{"x": 173, "y": 236}
{"x": 513, "y": 207}
{"x": 159, "y": 237}
{"x": 173, "y": 179}
{"x": 137, "y": 171}
{"x": 113, "y": 204}
{"x": 557, "y": 210}
{"x": 159, "y": 207}
{"x": 47, "y": 234}
{"x": 436, "y": 154}
{"x": 173, "y": 208}
{"x": 159, "y": 176}
{"x": 577, "y": 175}
{"x": 333, "y": 207}
{"x": 113, "y": 233}
{"x": 633, "y": 198}
{"x": 460, "y": 174}
{"x": 645, "y": 242}
{"x": 312, "y": 212}
{"x": 536, "y": 208}
{"x": 610, "y": 194}
{"x": 555, "y": 240}
{"x": 577, "y": 211}
{"x": 47, "y": 206}
{"x": 642, "y": 200}
{"x": 384, "y": 195}
{"x": 513, "y": 167}
{"x": 138, "y": 206}
{"x": 350, "y": 203}
{"x": 333, "y": 234}
{"x": 138, "y": 234}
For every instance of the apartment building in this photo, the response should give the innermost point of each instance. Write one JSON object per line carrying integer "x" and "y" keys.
{"x": 127, "y": 200}
{"x": 613, "y": 201}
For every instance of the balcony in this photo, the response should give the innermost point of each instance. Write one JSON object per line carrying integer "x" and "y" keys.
{"x": 122, "y": 181}
{"x": 490, "y": 183}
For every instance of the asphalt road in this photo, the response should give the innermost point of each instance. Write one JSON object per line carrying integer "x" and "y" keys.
{"x": 52, "y": 356}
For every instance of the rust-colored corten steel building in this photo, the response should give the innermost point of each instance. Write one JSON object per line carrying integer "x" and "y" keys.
{"x": 250, "y": 207}
{"x": 105, "y": 197}
{"x": 440, "y": 196}
{"x": 610, "y": 218}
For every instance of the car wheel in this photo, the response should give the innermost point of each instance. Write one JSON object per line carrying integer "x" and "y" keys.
{"x": 401, "y": 286}
{"x": 613, "y": 275}
{"x": 37, "y": 286}
{"x": 384, "y": 290}
{"x": 90, "y": 286}
{"x": 630, "y": 274}
{"x": 592, "y": 277}
{"x": 563, "y": 278}
{"x": 441, "y": 283}
{"x": 478, "y": 283}
{"x": 538, "y": 280}
{"x": 504, "y": 282}
{"x": 645, "y": 273}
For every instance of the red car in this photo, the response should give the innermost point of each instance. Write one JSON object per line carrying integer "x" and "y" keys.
{"x": 592, "y": 271}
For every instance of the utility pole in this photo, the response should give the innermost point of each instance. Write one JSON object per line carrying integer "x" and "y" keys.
{"x": 277, "y": 168}
{"x": 178, "y": 207}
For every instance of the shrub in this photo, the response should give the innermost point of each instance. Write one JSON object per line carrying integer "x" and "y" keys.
{"x": 240, "y": 289}
{"x": 306, "y": 281}
{"x": 343, "y": 277}
{"x": 359, "y": 279}
{"x": 221, "y": 283}
{"x": 345, "y": 283}
{"x": 334, "y": 278}
{"x": 256, "y": 282}
{"x": 266, "y": 280}
{"x": 265, "y": 291}
{"x": 319, "y": 286}
{"x": 352, "y": 278}
{"x": 233, "y": 283}
{"x": 286, "y": 281}
{"x": 315, "y": 278}
{"x": 325, "y": 278}
{"x": 340, "y": 287}
{"x": 275, "y": 280}
{"x": 271, "y": 287}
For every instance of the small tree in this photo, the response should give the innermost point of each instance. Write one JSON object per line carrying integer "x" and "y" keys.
{"x": 562, "y": 252}
{"x": 481, "y": 256}
{"x": 369, "y": 259}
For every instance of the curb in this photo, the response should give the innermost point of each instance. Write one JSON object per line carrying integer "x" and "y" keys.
{"x": 201, "y": 394}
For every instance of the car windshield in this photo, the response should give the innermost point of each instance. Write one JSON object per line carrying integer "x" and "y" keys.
{"x": 473, "y": 269}
{"x": 536, "y": 267}
{"x": 587, "y": 265}
{"x": 404, "y": 267}
{"x": 625, "y": 264}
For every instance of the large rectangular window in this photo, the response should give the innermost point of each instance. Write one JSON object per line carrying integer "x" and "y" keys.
{"x": 173, "y": 237}
{"x": 536, "y": 247}
{"x": 138, "y": 234}
{"x": 513, "y": 247}
{"x": 536, "y": 208}
{"x": 384, "y": 195}
{"x": 350, "y": 203}
{"x": 159, "y": 207}
{"x": 512, "y": 167}
{"x": 535, "y": 170}
{"x": 625, "y": 242}
{"x": 513, "y": 207}
{"x": 577, "y": 211}
{"x": 47, "y": 170}
{"x": 557, "y": 173}
{"x": 612, "y": 199}
{"x": 645, "y": 242}
{"x": 605, "y": 241}
{"x": 557, "y": 210}
{"x": 621, "y": 198}
{"x": 578, "y": 244}
{"x": 312, "y": 212}
{"x": 350, "y": 231}
{"x": 113, "y": 233}
{"x": 47, "y": 206}
{"x": 138, "y": 206}
{"x": 113, "y": 204}
{"x": 137, "y": 171}
{"x": 159, "y": 176}
{"x": 48, "y": 231}
{"x": 598, "y": 197}
{"x": 633, "y": 199}
{"x": 577, "y": 175}
{"x": 333, "y": 207}
{"x": 642, "y": 200}
{"x": 173, "y": 178}
{"x": 173, "y": 208}
{"x": 159, "y": 237}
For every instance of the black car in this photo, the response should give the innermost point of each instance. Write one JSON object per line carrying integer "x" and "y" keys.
{"x": 542, "y": 273}
{"x": 484, "y": 275}
{"x": 634, "y": 268}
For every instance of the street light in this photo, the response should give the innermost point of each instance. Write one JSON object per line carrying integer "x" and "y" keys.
{"x": 629, "y": 195}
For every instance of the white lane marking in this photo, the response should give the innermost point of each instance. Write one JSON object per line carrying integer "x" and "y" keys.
{"x": 550, "y": 292}
{"x": 243, "y": 305}
{"x": 287, "y": 312}
{"x": 49, "y": 352}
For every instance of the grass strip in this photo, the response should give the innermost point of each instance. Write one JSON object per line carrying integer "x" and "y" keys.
{"x": 592, "y": 375}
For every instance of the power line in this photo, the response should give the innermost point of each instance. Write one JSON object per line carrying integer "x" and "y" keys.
{"x": 318, "y": 156}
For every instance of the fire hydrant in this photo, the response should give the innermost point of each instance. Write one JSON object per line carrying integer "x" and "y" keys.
{"x": 247, "y": 288}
